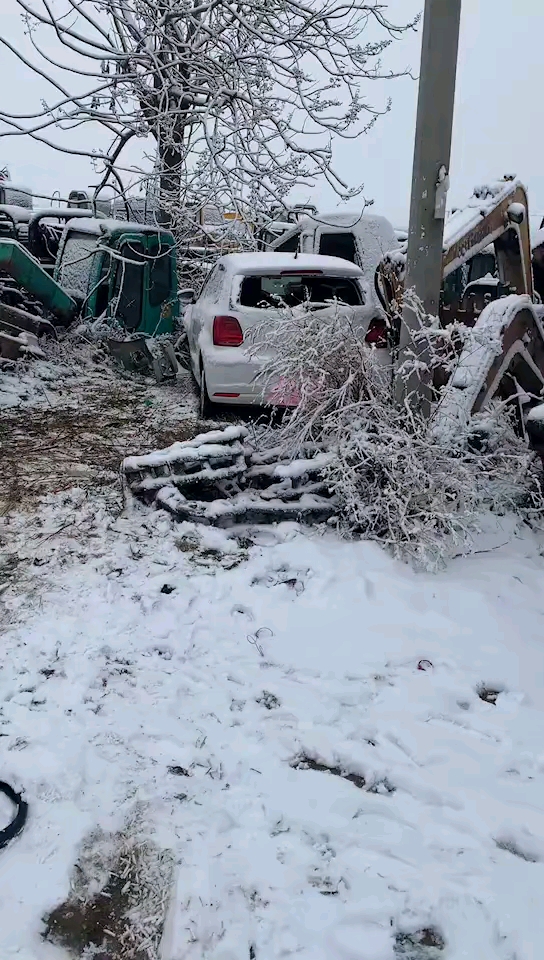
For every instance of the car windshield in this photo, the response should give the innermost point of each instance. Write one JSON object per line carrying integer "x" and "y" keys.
{"x": 293, "y": 289}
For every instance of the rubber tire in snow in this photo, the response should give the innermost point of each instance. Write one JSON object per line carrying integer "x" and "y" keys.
{"x": 19, "y": 820}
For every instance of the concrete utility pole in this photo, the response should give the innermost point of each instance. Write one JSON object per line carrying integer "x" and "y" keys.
{"x": 430, "y": 177}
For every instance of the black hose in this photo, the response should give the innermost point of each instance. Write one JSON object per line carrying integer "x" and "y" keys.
{"x": 19, "y": 820}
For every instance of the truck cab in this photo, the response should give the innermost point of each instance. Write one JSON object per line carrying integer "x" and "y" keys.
{"x": 124, "y": 272}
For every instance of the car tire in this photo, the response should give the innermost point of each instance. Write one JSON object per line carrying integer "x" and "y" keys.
{"x": 206, "y": 406}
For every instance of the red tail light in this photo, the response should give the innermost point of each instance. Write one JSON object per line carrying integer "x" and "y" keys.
{"x": 377, "y": 332}
{"x": 227, "y": 332}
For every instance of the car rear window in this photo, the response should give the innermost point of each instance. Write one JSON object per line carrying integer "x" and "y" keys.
{"x": 291, "y": 290}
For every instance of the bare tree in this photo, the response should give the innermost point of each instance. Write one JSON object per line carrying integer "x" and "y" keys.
{"x": 242, "y": 97}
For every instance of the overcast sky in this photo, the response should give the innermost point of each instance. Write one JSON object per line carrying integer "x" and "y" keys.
{"x": 498, "y": 125}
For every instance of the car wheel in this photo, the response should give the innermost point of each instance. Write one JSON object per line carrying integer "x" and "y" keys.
{"x": 205, "y": 402}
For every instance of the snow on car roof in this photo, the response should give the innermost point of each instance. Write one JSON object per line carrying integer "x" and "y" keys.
{"x": 266, "y": 262}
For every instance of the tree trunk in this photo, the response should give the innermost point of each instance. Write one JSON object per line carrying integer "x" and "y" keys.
{"x": 170, "y": 159}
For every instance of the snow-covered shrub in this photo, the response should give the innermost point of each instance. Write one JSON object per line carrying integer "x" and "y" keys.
{"x": 394, "y": 480}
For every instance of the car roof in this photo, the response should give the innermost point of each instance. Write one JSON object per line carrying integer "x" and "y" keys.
{"x": 262, "y": 263}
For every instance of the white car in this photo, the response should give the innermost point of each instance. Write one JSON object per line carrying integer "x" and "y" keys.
{"x": 242, "y": 290}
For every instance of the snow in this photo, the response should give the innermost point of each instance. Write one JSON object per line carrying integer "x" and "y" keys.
{"x": 374, "y": 235}
{"x": 270, "y": 262}
{"x": 475, "y": 364}
{"x": 210, "y": 444}
{"x": 538, "y": 238}
{"x": 19, "y": 214}
{"x": 76, "y": 263}
{"x": 195, "y": 682}
{"x": 488, "y": 281}
{"x": 16, "y": 195}
{"x": 297, "y": 468}
{"x": 194, "y": 705}
{"x": 96, "y": 227}
{"x": 537, "y": 413}
{"x": 483, "y": 200}
{"x": 88, "y": 225}
{"x": 517, "y": 211}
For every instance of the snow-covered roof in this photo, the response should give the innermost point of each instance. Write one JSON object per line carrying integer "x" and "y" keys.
{"x": 538, "y": 239}
{"x": 482, "y": 202}
{"x": 85, "y": 225}
{"x": 359, "y": 223}
{"x": 270, "y": 262}
{"x": 98, "y": 227}
{"x": 18, "y": 213}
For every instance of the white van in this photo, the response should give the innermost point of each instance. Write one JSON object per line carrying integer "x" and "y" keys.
{"x": 360, "y": 238}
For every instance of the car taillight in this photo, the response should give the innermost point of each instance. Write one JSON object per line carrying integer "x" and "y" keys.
{"x": 227, "y": 332}
{"x": 376, "y": 334}
{"x": 301, "y": 273}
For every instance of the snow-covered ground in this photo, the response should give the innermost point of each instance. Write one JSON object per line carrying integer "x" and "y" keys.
{"x": 199, "y": 685}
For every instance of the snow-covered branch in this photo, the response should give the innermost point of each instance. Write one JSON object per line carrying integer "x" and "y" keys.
{"x": 395, "y": 480}
{"x": 241, "y": 99}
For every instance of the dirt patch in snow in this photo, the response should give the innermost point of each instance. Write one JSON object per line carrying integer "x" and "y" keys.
{"x": 426, "y": 944}
{"x": 124, "y": 918}
{"x": 489, "y": 694}
{"x": 304, "y": 762}
{"x": 92, "y": 416}
{"x": 375, "y": 785}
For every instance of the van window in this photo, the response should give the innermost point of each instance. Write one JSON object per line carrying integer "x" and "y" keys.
{"x": 338, "y": 245}
{"x": 77, "y": 258}
{"x": 274, "y": 291}
{"x": 290, "y": 245}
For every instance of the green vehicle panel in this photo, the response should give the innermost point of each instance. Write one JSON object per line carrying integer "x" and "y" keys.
{"x": 29, "y": 274}
{"x": 123, "y": 271}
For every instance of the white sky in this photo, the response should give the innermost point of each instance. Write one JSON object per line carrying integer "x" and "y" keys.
{"x": 498, "y": 119}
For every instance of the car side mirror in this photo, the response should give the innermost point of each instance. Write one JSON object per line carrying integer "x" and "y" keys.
{"x": 186, "y": 296}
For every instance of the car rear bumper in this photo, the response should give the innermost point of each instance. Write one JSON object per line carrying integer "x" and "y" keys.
{"x": 230, "y": 379}
{"x": 233, "y": 380}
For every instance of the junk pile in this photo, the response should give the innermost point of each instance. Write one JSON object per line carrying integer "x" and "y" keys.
{"x": 67, "y": 266}
{"x": 220, "y": 479}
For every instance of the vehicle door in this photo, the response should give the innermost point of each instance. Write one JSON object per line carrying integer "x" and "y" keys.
{"x": 160, "y": 301}
{"x": 202, "y": 312}
{"x": 210, "y": 303}
{"x": 127, "y": 284}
